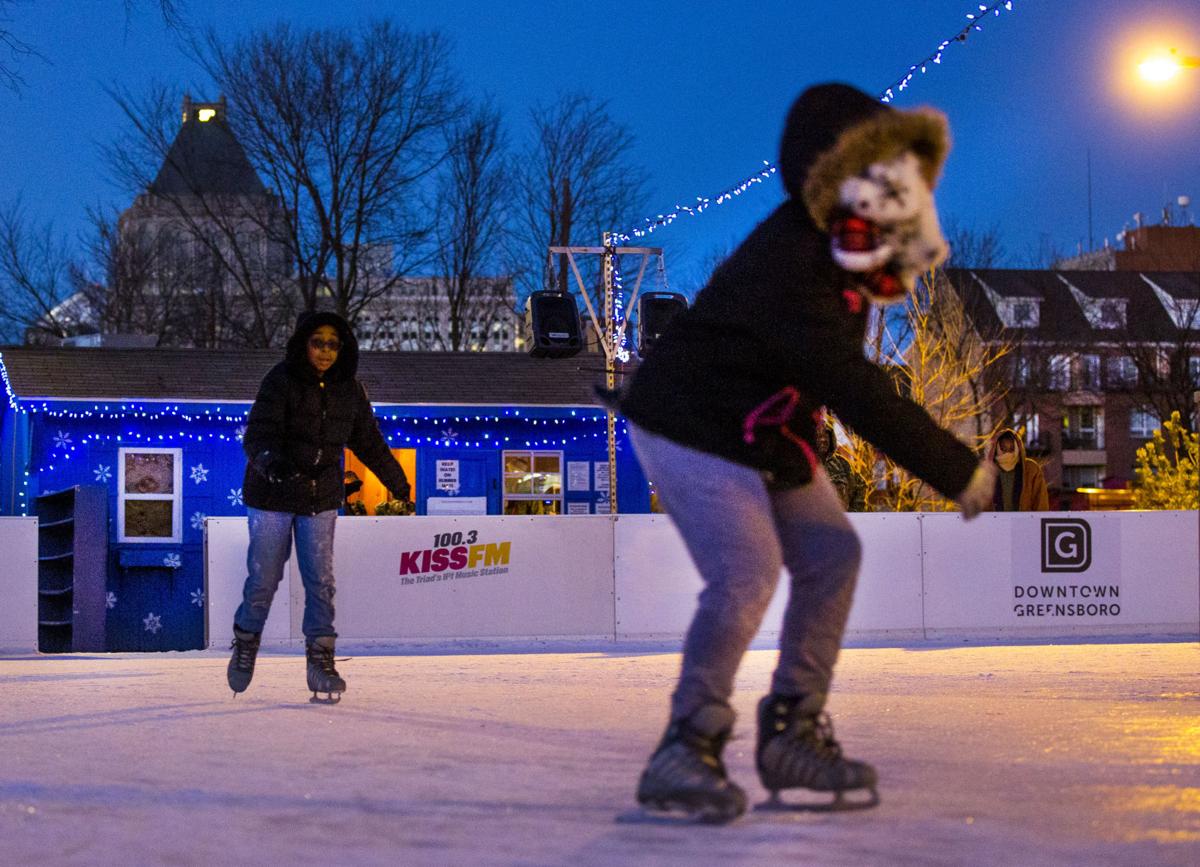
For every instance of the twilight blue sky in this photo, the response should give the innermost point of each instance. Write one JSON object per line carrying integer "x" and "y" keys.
{"x": 704, "y": 86}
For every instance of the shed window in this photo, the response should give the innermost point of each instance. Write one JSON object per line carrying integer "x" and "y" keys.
{"x": 533, "y": 483}
{"x": 150, "y": 495}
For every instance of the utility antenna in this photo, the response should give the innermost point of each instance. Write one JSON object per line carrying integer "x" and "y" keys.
{"x": 1091, "y": 241}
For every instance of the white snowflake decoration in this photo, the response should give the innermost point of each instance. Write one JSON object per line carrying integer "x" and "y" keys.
{"x": 110, "y": 600}
{"x": 199, "y": 473}
{"x": 173, "y": 561}
{"x": 198, "y": 598}
{"x": 198, "y": 520}
{"x": 152, "y": 622}
{"x": 102, "y": 473}
{"x": 450, "y": 434}
{"x": 62, "y": 440}
{"x": 240, "y": 433}
{"x": 234, "y": 496}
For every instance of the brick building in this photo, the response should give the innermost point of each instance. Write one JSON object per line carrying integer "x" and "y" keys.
{"x": 1097, "y": 359}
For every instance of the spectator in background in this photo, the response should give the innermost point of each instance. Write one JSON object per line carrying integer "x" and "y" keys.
{"x": 850, "y": 487}
{"x": 1020, "y": 484}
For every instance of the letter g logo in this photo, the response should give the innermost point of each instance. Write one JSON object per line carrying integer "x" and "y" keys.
{"x": 1066, "y": 545}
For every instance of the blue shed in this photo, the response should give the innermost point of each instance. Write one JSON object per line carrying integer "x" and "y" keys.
{"x": 152, "y": 438}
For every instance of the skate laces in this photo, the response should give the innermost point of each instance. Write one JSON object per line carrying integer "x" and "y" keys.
{"x": 323, "y": 657}
{"x": 819, "y": 730}
{"x": 244, "y": 653}
{"x": 707, "y": 748}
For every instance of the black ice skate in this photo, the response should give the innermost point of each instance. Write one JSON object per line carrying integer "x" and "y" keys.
{"x": 686, "y": 777}
{"x": 241, "y": 664}
{"x": 322, "y": 676}
{"x": 797, "y": 750}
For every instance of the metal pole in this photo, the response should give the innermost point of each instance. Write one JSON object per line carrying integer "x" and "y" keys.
{"x": 610, "y": 373}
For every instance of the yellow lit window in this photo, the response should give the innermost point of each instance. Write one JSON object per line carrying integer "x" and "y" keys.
{"x": 206, "y": 114}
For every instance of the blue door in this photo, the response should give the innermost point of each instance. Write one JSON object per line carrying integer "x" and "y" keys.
{"x": 466, "y": 481}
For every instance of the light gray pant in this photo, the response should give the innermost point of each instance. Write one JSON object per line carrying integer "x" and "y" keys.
{"x": 740, "y": 535}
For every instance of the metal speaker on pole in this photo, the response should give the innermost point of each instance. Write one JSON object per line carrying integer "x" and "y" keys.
{"x": 655, "y": 311}
{"x": 553, "y": 324}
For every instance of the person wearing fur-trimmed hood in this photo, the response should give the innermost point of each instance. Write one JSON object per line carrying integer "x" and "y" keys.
{"x": 310, "y": 408}
{"x": 723, "y": 415}
{"x": 1020, "y": 482}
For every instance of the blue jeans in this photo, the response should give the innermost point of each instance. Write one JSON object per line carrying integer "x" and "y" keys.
{"x": 740, "y": 535}
{"x": 270, "y": 545}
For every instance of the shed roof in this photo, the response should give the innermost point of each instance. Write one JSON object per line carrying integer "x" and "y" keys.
{"x": 422, "y": 378}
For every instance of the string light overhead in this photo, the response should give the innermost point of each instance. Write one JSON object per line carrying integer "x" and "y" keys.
{"x": 703, "y": 203}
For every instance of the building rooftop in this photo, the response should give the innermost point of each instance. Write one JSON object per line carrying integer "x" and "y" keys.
{"x": 206, "y": 158}
{"x": 403, "y": 378}
{"x": 1076, "y": 306}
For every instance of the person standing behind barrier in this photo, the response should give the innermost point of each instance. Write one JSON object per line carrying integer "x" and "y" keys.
{"x": 1020, "y": 483}
{"x": 309, "y": 408}
{"x": 850, "y": 487}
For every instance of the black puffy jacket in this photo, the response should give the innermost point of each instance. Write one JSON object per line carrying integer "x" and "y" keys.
{"x": 778, "y": 331}
{"x": 301, "y": 422}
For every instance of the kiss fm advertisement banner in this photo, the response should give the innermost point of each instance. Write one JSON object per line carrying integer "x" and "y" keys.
{"x": 1062, "y": 573}
{"x": 431, "y": 577}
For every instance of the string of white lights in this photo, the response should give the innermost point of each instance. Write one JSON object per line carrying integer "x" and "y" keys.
{"x": 703, "y": 203}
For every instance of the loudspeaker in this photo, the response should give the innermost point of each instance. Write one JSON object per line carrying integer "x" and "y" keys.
{"x": 655, "y": 311}
{"x": 553, "y": 324}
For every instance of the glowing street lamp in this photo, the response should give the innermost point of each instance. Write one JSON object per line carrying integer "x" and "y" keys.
{"x": 1164, "y": 67}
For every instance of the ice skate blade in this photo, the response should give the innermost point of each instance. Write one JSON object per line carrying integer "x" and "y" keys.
{"x": 329, "y": 698}
{"x": 839, "y": 804}
{"x": 647, "y": 815}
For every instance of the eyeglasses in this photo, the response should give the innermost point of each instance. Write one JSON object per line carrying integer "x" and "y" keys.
{"x": 330, "y": 345}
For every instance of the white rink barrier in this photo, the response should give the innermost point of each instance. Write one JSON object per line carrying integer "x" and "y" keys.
{"x": 925, "y": 577}
{"x": 18, "y": 585}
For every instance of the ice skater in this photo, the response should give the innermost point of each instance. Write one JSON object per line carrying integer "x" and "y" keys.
{"x": 723, "y": 416}
{"x": 309, "y": 408}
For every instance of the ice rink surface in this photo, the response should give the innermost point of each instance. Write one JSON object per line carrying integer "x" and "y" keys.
{"x": 1075, "y": 754}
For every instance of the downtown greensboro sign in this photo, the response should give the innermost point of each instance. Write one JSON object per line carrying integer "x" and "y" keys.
{"x": 1067, "y": 585}
{"x": 925, "y": 577}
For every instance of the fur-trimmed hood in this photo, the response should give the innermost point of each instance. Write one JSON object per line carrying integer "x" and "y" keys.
{"x": 346, "y": 365}
{"x": 835, "y": 131}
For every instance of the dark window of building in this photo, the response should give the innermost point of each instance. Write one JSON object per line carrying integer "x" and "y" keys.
{"x": 1089, "y": 373}
{"x": 1083, "y": 428}
{"x": 1122, "y": 371}
{"x": 1142, "y": 424}
{"x": 1059, "y": 373}
{"x": 1087, "y": 476}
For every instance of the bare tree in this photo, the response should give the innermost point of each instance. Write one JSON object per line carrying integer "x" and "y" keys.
{"x": 14, "y": 49}
{"x": 941, "y": 362}
{"x": 128, "y": 283}
{"x": 472, "y": 199}
{"x": 1166, "y": 372}
{"x": 345, "y": 127}
{"x": 35, "y": 280}
{"x": 973, "y": 248}
{"x": 575, "y": 181}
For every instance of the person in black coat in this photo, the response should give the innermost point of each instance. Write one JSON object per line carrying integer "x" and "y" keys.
{"x": 723, "y": 415}
{"x": 309, "y": 409}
